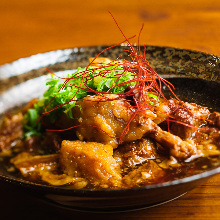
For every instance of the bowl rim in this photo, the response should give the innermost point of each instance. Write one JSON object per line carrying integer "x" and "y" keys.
{"x": 103, "y": 192}
{"x": 111, "y": 192}
{"x": 69, "y": 50}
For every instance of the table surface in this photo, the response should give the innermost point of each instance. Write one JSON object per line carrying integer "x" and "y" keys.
{"x": 31, "y": 27}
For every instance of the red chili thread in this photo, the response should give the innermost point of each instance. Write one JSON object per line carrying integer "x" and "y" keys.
{"x": 147, "y": 81}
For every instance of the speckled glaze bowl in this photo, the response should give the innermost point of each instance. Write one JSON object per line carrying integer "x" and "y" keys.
{"x": 196, "y": 76}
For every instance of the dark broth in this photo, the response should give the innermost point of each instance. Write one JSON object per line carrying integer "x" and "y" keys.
{"x": 198, "y": 91}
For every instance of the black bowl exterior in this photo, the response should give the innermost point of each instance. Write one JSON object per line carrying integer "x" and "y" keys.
{"x": 166, "y": 61}
{"x": 109, "y": 200}
{"x": 125, "y": 200}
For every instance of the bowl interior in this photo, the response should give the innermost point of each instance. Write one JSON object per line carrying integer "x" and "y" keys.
{"x": 195, "y": 75}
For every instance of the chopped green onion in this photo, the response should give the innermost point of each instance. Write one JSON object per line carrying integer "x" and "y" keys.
{"x": 66, "y": 93}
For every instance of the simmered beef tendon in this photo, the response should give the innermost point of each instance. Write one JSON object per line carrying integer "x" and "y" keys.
{"x": 50, "y": 143}
{"x": 91, "y": 160}
{"x": 11, "y": 130}
{"x": 102, "y": 121}
{"x": 32, "y": 144}
{"x": 208, "y": 141}
{"x": 131, "y": 154}
{"x": 178, "y": 148}
{"x": 191, "y": 114}
{"x": 148, "y": 173}
{"x": 214, "y": 119}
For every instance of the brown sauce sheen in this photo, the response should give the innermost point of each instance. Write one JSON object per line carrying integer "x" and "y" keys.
{"x": 87, "y": 157}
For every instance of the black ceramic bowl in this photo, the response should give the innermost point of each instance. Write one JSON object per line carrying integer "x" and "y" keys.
{"x": 196, "y": 76}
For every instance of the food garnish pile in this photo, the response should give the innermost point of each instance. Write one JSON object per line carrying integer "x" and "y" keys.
{"x": 109, "y": 125}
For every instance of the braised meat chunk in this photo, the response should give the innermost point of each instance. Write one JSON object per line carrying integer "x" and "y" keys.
{"x": 191, "y": 115}
{"x": 11, "y": 131}
{"x": 104, "y": 118}
{"x": 215, "y": 119}
{"x": 178, "y": 148}
{"x": 129, "y": 155}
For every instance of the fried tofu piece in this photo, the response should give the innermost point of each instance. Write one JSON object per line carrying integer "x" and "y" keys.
{"x": 91, "y": 160}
